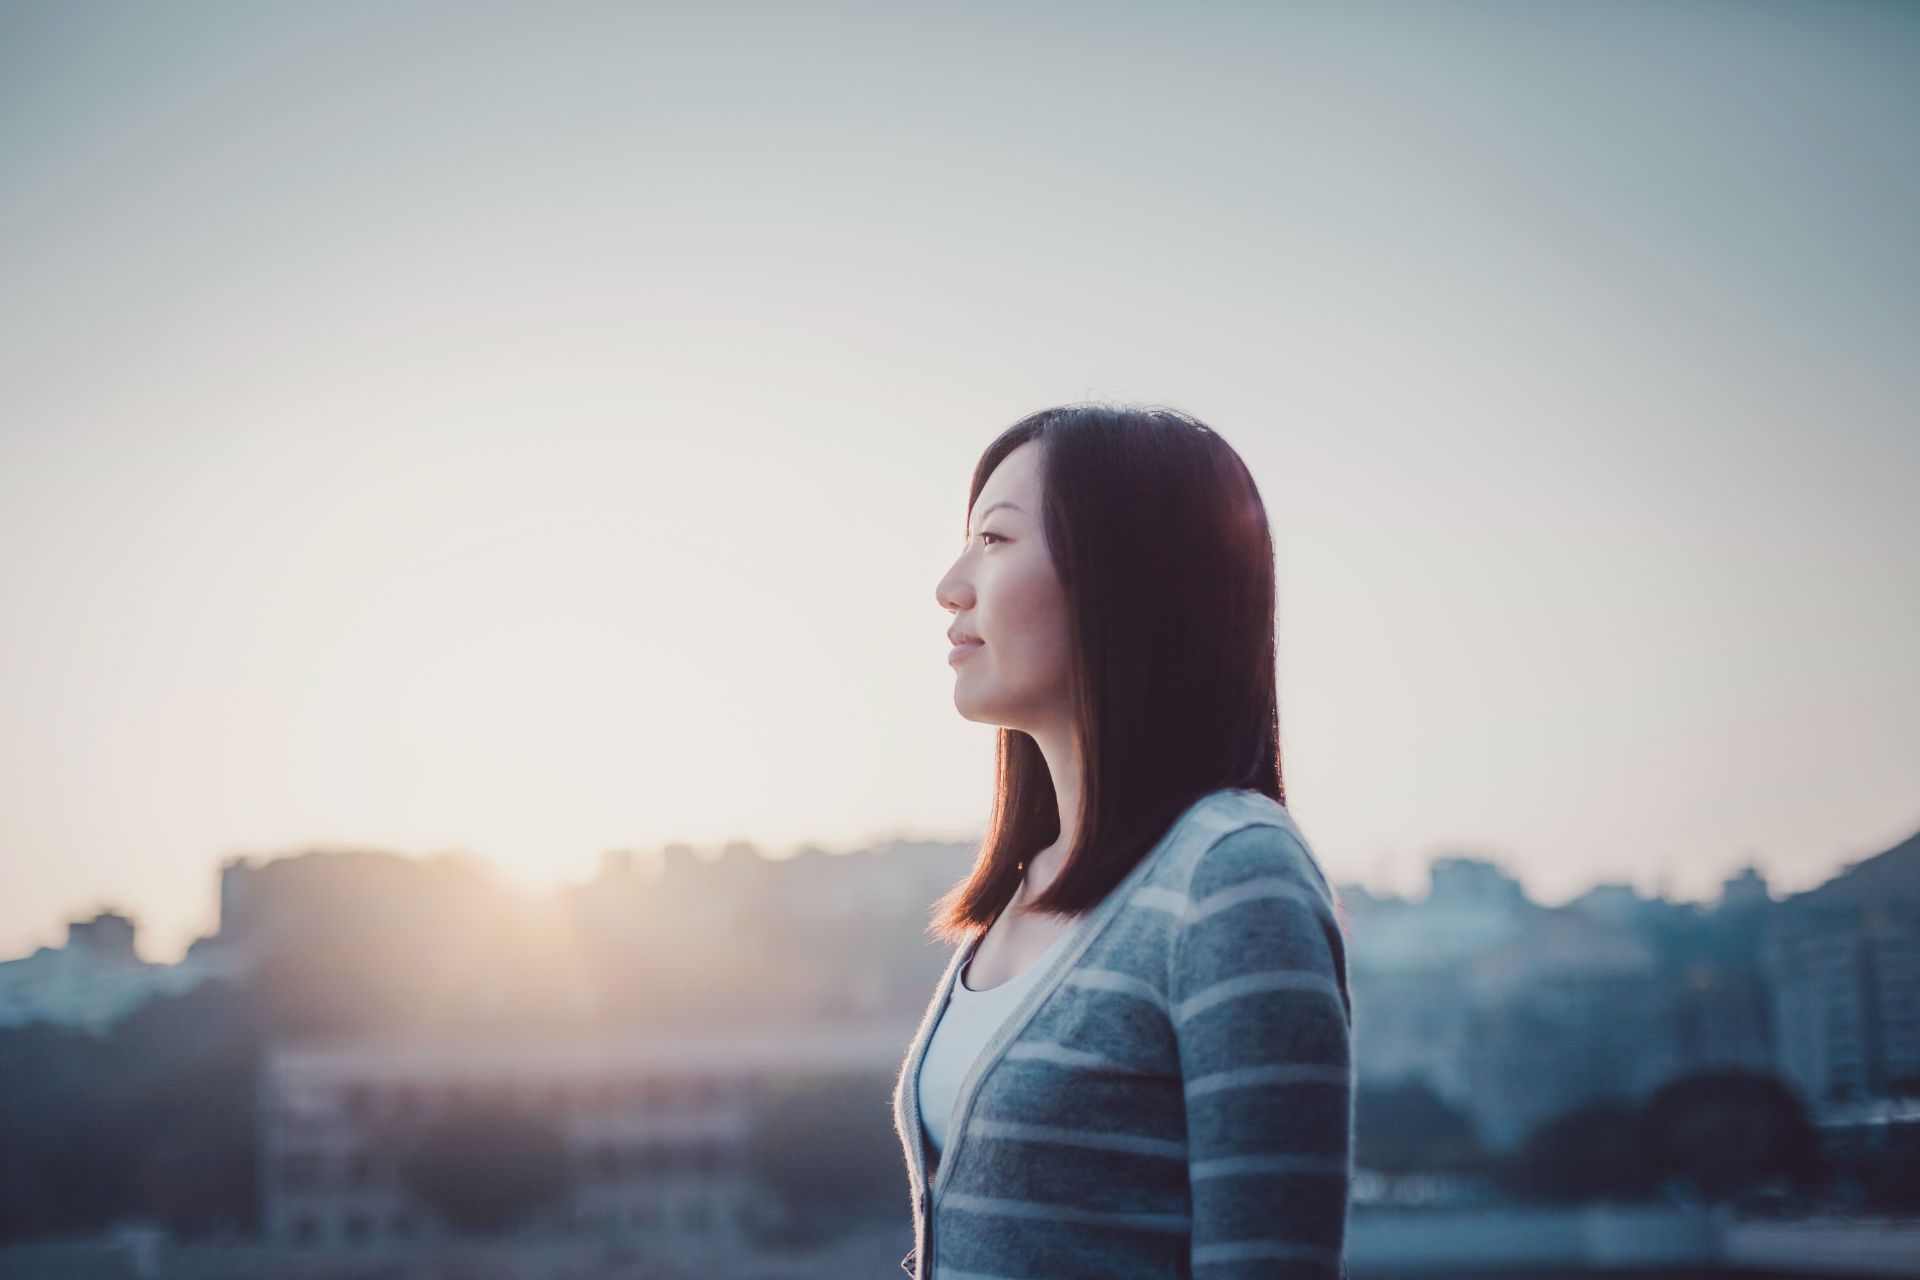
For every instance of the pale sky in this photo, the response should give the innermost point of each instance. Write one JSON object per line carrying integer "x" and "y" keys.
{"x": 538, "y": 429}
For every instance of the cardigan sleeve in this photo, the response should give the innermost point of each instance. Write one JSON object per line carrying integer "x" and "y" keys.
{"x": 1258, "y": 998}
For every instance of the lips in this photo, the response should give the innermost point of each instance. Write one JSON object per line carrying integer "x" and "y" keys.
{"x": 962, "y": 649}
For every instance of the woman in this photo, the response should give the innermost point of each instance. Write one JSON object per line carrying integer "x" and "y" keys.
{"x": 1137, "y": 1063}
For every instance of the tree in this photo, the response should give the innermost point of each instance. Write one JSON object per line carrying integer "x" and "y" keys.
{"x": 1593, "y": 1152}
{"x": 1408, "y": 1128}
{"x": 65, "y": 1127}
{"x": 192, "y": 1142}
{"x": 484, "y": 1167}
{"x": 1730, "y": 1130}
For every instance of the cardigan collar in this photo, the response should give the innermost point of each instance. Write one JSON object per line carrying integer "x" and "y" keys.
{"x": 908, "y": 1095}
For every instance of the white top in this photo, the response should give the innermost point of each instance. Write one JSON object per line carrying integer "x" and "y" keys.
{"x": 965, "y": 1024}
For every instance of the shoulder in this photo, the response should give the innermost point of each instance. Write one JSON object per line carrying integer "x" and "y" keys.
{"x": 1250, "y": 846}
{"x": 1242, "y": 834}
{"x": 1256, "y": 898}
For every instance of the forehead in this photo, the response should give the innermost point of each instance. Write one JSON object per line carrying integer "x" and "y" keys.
{"x": 1016, "y": 479}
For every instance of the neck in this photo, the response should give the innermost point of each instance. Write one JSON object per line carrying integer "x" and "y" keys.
{"x": 1059, "y": 750}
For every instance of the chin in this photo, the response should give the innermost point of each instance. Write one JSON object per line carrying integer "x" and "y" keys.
{"x": 970, "y": 709}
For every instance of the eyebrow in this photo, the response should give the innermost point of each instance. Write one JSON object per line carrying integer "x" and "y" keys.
{"x": 996, "y": 506}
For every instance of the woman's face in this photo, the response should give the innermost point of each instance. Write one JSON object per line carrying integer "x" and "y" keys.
{"x": 1003, "y": 591}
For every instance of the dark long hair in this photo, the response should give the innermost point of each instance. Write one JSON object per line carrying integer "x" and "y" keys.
{"x": 1161, "y": 543}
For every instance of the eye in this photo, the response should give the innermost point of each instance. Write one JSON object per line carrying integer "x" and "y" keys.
{"x": 985, "y": 534}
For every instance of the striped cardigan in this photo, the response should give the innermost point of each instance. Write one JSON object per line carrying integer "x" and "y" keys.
{"x": 1174, "y": 1095}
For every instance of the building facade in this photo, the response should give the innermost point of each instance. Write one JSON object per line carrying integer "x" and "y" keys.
{"x": 653, "y": 1130}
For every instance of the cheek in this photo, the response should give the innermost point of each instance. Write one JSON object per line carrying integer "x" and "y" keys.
{"x": 1030, "y": 610}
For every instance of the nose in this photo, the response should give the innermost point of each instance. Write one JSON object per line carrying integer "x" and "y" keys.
{"x": 953, "y": 592}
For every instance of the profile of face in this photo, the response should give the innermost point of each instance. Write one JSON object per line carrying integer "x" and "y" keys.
{"x": 1004, "y": 593}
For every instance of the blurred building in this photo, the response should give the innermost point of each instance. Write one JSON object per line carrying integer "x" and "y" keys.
{"x": 895, "y": 880}
{"x": 668, "y": 938}
{"x": 1507, "y": 1009}
{"x": 1566, "y": 1011}
{"x": 318, "y": 895}
{"x": 1844, "y": 965}
{"x": 810, "y": 935}
{"x": 653, "y": 1129}
{"x": 1411, "y": 1019}
{"x": 92, "y": 980}
{"x": 1514, "y": 1012}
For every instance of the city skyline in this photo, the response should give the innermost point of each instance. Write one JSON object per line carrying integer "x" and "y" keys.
{"x": 651, "y": 863}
